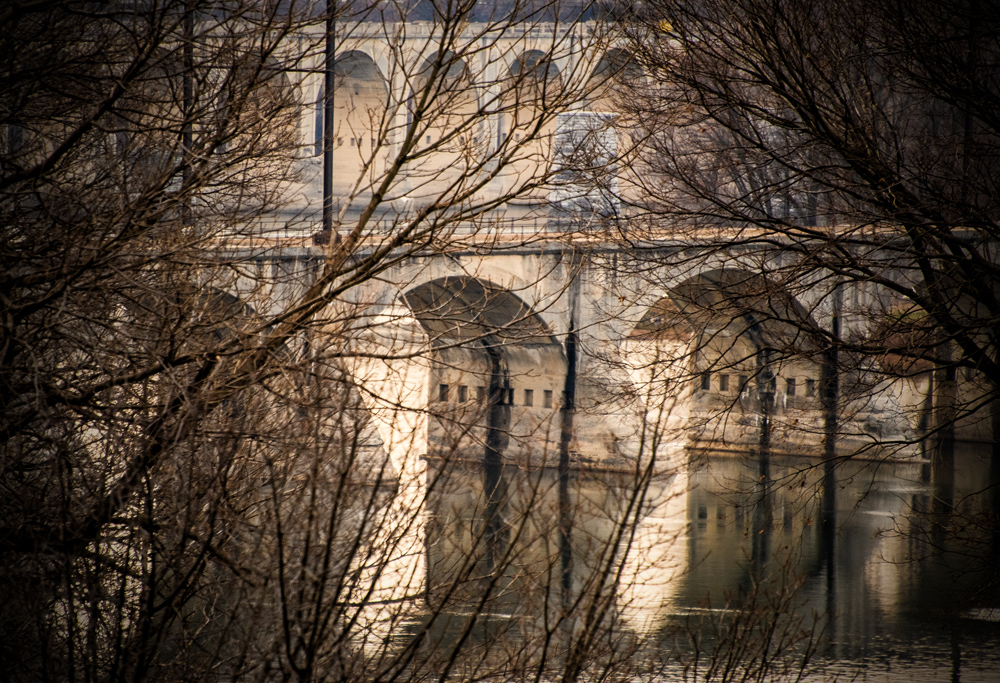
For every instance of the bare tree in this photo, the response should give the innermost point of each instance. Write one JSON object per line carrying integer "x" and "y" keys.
{"x": 213, "y": 467}
{"x": 831, "y": 169}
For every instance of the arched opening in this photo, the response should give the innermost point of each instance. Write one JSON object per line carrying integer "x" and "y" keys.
{"x": 464, "y": 307}
{"x": 253, "y": 98}
{"x": 726, "y": 354}
{"x": 444, "y": 92}
{"x": 298, "y": 397}
{"x": 494, "y": 374}
{"x": 496, "y": 367}
{"x": 494, "y": 437}
{"x": 533, "y": 85}
{"x": 359, "y": 100}
{"x": 613, "y": 80}
{"x": 616, "y": 69}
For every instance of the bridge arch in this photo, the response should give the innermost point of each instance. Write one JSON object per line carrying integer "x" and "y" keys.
{"x": 616, "y": 67}
{"x": 535, "y": 67}
{"x": 533, "y": 79}
{"x": 468, "y": 307}
{"x": 496, "y": 374}
{"x": 359, "y": 100}
{"x": 455, "y": 84}
{"x": 226, "y": 321}
{"x": 450, "y": 102}
{"x": 723, "y": 350}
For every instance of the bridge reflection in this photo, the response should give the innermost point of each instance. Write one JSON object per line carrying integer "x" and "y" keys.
{"x": 651, "y": 555}
{"x": 611, "y": 560}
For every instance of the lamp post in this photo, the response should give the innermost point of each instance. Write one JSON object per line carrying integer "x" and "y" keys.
{"x": 328, "y": 101}
{"x": 323, "y": 236}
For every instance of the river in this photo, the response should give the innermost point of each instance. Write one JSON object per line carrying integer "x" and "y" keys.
{"x": 867, "y": 580}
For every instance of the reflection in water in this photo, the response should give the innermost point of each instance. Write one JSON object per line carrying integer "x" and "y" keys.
{"x": 530, "y": 574}
{"x": 866, "y": 553}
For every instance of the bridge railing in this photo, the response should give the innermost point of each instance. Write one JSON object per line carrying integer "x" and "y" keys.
{"x": 279, "y": 226}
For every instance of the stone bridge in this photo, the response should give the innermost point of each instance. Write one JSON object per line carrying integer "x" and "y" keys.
{"x": 519, "y": 342}
{"x": 540, "y": 353}
{"x": 542, "y": 322}
{"x": 524, "y": 346}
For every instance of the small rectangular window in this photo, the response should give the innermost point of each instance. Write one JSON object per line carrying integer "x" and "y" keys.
{"x": 340, "y": 141}
{"x": 547, "y": 398}
{"x": 352, "y": 142}
{"x": 428, "y": 139}
{"x": 706, "y": 381}
{"x": 517, "y": 136}
{"x": 723, "y": 382}
{"x": 743, "y": 383}
{"x": 481, "y": 394}
{"x": 810, "y": 387}
{"x": 529, "y": 397}
{"x": 442, "y": 392}
{"x": 463, "y": 393}
{"x": 510, "y": 397}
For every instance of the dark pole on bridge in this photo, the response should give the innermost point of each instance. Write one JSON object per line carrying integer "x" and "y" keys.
{"x": 565, "y": 436}
{"x": 762, "y": 509}
{"x": 765, "y": 394}
{"x": 944, "y": 417}
{"x": 830, "y": 382}
{"x": 497, "y": 429}
{"x": 187, "y": 95}
{"x": 567, "y": 413}
{"x": 328, "y": 103}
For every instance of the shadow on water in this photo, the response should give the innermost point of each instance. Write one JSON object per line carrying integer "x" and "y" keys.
{"x": 907, "y": 588}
